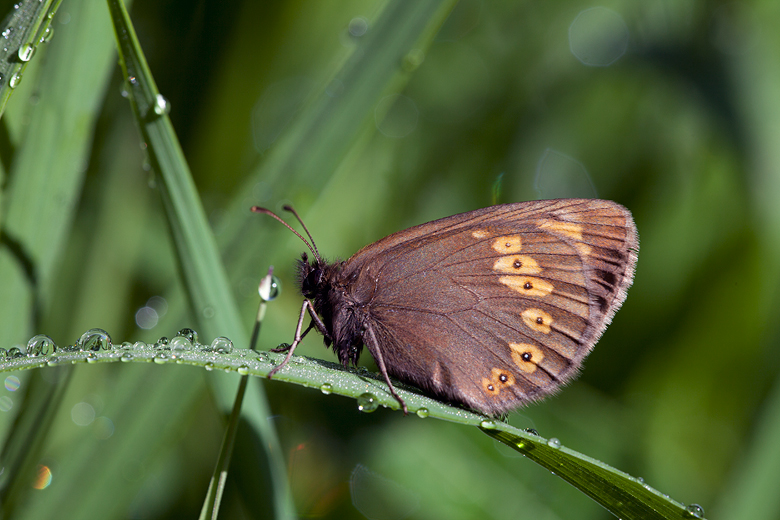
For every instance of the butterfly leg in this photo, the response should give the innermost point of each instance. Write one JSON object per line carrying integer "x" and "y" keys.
{"x": 377, "y": 353}
{"x": 315, "y": 321}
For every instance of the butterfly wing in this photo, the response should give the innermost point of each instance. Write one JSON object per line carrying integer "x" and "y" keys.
{"x": 499, "y": 306}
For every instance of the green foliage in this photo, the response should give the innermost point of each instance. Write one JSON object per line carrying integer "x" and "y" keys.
{"x": 289, "y": 102}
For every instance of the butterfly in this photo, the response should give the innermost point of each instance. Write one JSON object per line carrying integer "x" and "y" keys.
{"x": 490, "y": 309}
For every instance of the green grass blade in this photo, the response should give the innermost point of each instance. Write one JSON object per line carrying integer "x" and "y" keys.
{"x": 199, "y": 259}
{"x": 624, "y": 496}
{"x": 51, "y": 139}
{"x": 621, "y": 494}
{"x": 27, "y": 26}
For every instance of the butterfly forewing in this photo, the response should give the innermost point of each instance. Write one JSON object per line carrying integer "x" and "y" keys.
{"x": 499, "y": 306}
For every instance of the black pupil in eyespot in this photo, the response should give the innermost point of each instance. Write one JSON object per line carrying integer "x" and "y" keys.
{"x": 526, "y": 356}
{"x": 518, "y": 264}
{"x": 528, "y": 285}
{"x": 503, "y": 378}
{"x": 540, "y": 320}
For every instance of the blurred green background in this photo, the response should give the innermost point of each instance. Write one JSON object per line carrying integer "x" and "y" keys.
{"x": 670, "y": 108}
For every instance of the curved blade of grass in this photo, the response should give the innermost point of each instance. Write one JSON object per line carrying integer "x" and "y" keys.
{"x": 216, "y": 489}
{"x": 624, "y": 496}
{"x": 618, "y": 492}
{"x": 43, "y": 186}
{"x": 199, "y": 259}
{"x": 22, "y": 30}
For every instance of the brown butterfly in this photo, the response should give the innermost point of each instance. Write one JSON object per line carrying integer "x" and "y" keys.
{"x": 491, "y": 309}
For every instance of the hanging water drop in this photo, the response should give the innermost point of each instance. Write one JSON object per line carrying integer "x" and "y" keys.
{"x": 161, "y": 105}
{"x": 367, "y": 402}
{"x": 694, "y": 511}
{"x": 488, "y": 425}
{"x": 25, "y": 52}
{"x": 269, "y": 288}
{"x": 422, "y": 413}
{"x": 554, "y": 443}
{"x": 47, "y": 35}
{"x": 243, "y": 370}
{"x": 15, "y": 80}
{"x": 326, "y": 388}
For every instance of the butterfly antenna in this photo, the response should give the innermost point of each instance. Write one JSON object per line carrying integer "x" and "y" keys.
{"x": 258, "y": 209}
{"x": 289, "y": 208}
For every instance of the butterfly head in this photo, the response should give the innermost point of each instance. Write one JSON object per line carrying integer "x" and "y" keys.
{"x": 311, "y": 276}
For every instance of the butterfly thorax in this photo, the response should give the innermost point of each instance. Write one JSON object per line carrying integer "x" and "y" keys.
{"x": 327, "y": 286}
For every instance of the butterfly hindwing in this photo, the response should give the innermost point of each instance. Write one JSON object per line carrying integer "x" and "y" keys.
{"x": 499, "y": 306}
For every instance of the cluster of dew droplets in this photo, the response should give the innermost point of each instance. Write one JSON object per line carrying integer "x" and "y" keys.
{"x": 94, "y": 344}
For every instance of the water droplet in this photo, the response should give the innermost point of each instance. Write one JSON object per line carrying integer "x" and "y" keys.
{"x": 126, "y": 357}
{"x": 132, "y": 80}
{"x": 180, "y": 343}
{"x": 7, "y": 33}
{"x": 139, "y": 345}
{"x": 243, "y": 370}
{"x": 554, "y": 443}
{"x": 269, "y": 288}
{"x": 531, "y": 431}
{"x": 209, "y": 366}
{"x": 326, "y": 388}
{"x": 367, "y": 402}
{"x": 162, "y": 342}
{"x": 15, "y": 80}
{"x": 95, "y": 340}
{"x": 40, "y": 345}
{"x": 488, "y": 425}
{"x": 126, "y": 345}
{"x": 14, "y": 353}
{"x": 25, "y": 52}
{"x": 91, "y": 357}
{"x": 189, "y": 334}
{"x": 161, "y": 105}
{"x": 694, "y": 511}
{"x": 222, "y": 345}
{"x": 161, "y": 358}
{"x": 47, "y": 35}
{"x": 262, "y": 357}
{"x": 422, "y": 413}
{"x": 3, "y": 354}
